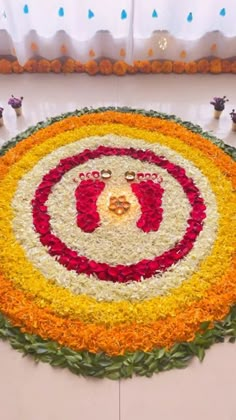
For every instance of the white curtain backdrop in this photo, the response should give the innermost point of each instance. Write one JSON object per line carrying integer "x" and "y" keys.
{"x": 122, "y": 29}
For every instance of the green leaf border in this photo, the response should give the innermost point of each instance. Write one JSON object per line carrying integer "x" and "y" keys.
{"x": 141, "y": 363}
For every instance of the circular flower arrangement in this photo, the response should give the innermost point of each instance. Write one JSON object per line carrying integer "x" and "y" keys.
{"x": 117, "y": 240}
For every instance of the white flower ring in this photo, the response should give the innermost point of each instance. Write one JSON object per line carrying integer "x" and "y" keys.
{"x": 124, "y": 243}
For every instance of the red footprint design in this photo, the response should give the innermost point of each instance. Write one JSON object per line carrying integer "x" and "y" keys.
{"x": 86, "y": 195}
{"x": 149, "y": 195}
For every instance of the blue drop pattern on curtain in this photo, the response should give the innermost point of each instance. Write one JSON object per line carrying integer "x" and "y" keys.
{"x": 123, "y": 14}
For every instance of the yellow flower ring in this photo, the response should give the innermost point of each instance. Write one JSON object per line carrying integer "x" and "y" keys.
{"x": 109, "y": 292}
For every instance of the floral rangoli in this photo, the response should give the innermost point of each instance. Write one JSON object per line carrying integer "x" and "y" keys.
{"x": 117, "y": 242}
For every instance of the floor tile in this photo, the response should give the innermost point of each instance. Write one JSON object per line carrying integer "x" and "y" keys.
{"x": 186, "y": 96}
{"x": 47, "y": 95}
{"x": 203, "y": 391}
{"x": 35, "y": 392}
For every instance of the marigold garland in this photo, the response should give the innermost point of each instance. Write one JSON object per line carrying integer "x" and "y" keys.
{"x": 119, "y": 68}
{"x": 118, "y": 338}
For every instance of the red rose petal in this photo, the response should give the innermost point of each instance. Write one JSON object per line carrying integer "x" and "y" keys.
{"x": 86, "y": 199}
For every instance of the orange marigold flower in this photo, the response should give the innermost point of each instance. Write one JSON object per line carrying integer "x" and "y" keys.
{"x": 92, "y": 53}
{"x": 105, "y": 67}
{"x": 56, "y": 66}
{"x": 213, "y": 47}
{"x": 30, "y": 66}
{"x": 191, "y": 67}
{"x": 156, "y": 66}
{"x": 63, "y": 49}
{"x": 183, "y": 54}
{"x": 178, "y": 67}
{"x": 132, "y": 69}
{"x": 226, "y": 66}
{"x": 79, "y": 67}
{"x": 44, "y": 66}
{"x": 233, "y": 67}
{"x": 203, "y": 66}
{"x": 34, "y": 47}
{"x": 150, "y": 52}
{"x": 144, "y": 66}
{"x": 122, "y": 52}
{"x": 91, "y": 67}
{"x": 68, "y": 66}
{"x": 167, "y": 66}
{"x": 5, "y": 66}
{"x": 120, "y": 68}
{"x": 215, "y": 66}
{"x": 16, "y": 67}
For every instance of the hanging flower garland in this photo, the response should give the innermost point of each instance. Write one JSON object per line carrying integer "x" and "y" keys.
{"x": 118, "y": 235}
{"x": 107, "y": 67}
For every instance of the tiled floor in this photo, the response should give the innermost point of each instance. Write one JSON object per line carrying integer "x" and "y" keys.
{"x": 203, "y": 391}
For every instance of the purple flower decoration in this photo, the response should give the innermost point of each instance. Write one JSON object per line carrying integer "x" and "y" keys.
{"x": 1, "y": 111}
{"x": 233, "y": 115}
{"x": 15, "y": 102}
{"x": 219, "y": 103}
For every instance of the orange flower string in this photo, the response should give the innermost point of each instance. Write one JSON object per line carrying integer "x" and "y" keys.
{"x": 120, "y": 68}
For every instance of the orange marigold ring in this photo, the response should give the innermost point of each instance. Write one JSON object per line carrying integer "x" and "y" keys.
{"x": 54, "y": 218}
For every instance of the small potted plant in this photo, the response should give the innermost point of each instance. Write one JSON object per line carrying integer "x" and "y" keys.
{"x": 16, "y": 104}
{"x": 233, "y": 118}
{"x": 219, "y": 106}
{"x": 1, "y": 118}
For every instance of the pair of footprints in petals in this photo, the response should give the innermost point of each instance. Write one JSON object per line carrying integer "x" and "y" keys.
{"x": 130, "y": 176}
{"x": 145, "y": 186}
